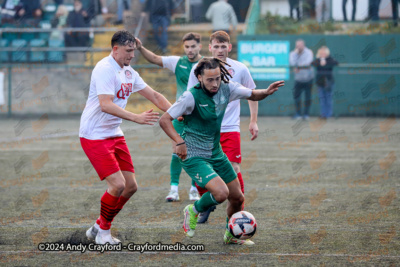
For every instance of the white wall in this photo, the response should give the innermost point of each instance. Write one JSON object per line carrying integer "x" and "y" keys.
{"x": 281, "y": 7}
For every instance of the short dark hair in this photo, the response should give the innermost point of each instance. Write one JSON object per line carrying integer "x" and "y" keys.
{"x": 220, "y": 36}
{"x": 192, "y": 36}
{"x": 122, "y": 38}
{"x": 207, "y": 63}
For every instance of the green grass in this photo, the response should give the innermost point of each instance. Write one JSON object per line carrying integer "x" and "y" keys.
{"x": 302, "y": 194}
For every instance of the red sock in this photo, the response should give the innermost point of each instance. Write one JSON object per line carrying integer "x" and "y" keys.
{"x": 240, "y": 178}
{"x": 107, "y": 210}
{"x": 201, "y": 190}
{"x": 239, "y": 175}
{"x": 121, "y": 202}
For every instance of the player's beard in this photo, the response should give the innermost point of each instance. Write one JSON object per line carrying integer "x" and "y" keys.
{"x": 210, "y": 94}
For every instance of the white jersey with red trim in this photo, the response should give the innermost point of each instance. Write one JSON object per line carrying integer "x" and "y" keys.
{"x": 108, "y": 78}
{"x": 241, "y": 75}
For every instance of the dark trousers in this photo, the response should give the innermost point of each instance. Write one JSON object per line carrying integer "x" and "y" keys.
{"x": 299, "y": 88}
{"x": 160, "y": 26}
{"x": 294, "y": 5}
{"x": 353, "y": 13}
{"x": 76, "y": 39}
{"x": 395, "y": 10}
{"x": 373, "y": 9}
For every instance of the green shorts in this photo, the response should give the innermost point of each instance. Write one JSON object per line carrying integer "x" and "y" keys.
{"x": 203, "y": 170}
{"x": 178, "y": 125}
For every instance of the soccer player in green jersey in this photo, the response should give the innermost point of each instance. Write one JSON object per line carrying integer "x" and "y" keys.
{"x": 181, "y": 66}
{"x": 203, "y": 107}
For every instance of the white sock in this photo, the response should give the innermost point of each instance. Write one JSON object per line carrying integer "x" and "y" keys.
{"x": 194, "y": 210}
{"x": 104, "y": 232}
{"x": 96, "y": 226}
{"x": 193, "y": 188}
{"x": 174, "y": 188}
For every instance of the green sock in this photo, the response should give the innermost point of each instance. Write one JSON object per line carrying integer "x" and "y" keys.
{"x": 175, "y": 170}
{"x": 193, "y": 183}
{"x": 205, "y": 202}
{"x": 227, "y": 222}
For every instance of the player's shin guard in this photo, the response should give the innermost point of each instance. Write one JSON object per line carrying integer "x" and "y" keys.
{"x": 107, "y": 210}
{"x": 201, "y": 190}
{"x": 120, "y": 204}
{"x": 205, "y": 202}
{"x": 175, "y": 169}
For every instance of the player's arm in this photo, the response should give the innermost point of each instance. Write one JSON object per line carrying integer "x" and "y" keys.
{"x": 184, "y": 106}
{"x": 257, "y": 95}
{"x": 253, "y": 127}
{"x": 148, "y": 55}
{"x": 108, "y": 106}
{"x": 156, "y": 98}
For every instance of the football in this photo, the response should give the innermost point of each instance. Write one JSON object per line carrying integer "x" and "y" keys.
{"x": 242, "y": 225}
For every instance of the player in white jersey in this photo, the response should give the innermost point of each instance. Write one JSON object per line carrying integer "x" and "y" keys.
{"x": 220, "y": 47}
{"x": 113, "y": 81}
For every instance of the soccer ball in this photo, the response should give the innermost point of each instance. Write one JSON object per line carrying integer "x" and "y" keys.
{"x": 242, "y": 225}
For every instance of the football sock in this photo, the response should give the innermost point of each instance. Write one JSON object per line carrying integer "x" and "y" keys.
{"x": 240, "y": 178}
{"x": 193, "y": 184}
{"x": 205, "y": 202}
{"x": 120, "y": 204}
{"x": 104, "y": 232}
{"x": 107, "y": 210}
{"x": 227, "y": 222}
{"x": 175, "y": 169}
{"x": 174, "y": 188}
{"x": 201, "y": 190}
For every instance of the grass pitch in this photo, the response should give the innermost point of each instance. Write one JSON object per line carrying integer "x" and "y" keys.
{"x": 323, "y": 193}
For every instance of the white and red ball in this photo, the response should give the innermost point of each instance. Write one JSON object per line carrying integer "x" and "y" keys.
{"x": 242, "y": 225}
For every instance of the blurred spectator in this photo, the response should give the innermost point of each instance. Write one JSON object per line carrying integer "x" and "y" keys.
{"x": 160, "y": 17}
{"x": 373, "y": 9}
{"x": 395, "y": 10}
{"x": 323, "y": 10}
{"x": 9, "y": 10}
{"x": 222, "y": 16}
{"x": 95, "y": 9}
{"x": 78, "y": 18}
{"x": 59, "y": 21}
{"x": 301, "y": 58}
{"x": 308, "y": 7}
{"x": 122, "y": 5}
{"x": 294, "y": 5}
{"x": 324, "y": 80}
{"x": 30, "y": 12}
{"x": 196, "y": 8}
{"x": 353, "y": 13}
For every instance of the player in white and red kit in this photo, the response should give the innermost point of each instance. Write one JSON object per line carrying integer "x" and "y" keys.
{"x": 113, "y": 81}
{"x": 220, "y": 47}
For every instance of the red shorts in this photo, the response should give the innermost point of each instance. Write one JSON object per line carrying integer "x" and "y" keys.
{"x": 230, "y": 143}
{"x": 108, "y": 156}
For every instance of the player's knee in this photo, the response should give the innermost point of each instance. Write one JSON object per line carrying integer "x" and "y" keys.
{"x": 236, "y": 167}
{"x": 221, "y": 195}
{"x": 118, "y": 188}
{"x": 132, "y": 189}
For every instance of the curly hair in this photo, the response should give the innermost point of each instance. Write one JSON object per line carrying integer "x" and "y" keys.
{"x": 122, "y": 38}
{"x": 207, "y": 63}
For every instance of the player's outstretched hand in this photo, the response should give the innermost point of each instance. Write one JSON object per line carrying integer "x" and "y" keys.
{"x": 273, "y": 87}
{"x": 181, "y": 151}
{"x": 147, "y": 117}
